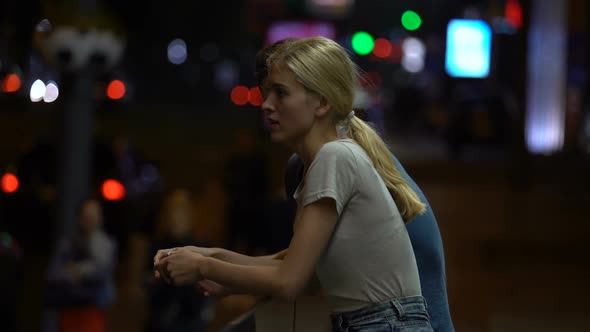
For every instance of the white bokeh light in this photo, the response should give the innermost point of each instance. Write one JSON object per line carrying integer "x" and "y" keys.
{"x": 177, "y": 51}
{"x": 51, "y": 92}
{"x": 37, "y": 91}
{"x": 413, "y": 64}
{"x": 414, "y": 52}
{"x": 413, "y": 47}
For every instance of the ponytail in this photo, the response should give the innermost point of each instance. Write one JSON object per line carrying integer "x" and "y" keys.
{"x": 406, "y": 199}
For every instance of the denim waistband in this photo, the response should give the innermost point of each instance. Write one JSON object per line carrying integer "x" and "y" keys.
{"x": 398, "y": 307}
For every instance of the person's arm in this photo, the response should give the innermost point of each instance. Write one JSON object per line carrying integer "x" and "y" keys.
{"x": 228, "y": 256}
{"x": 284, "y": 280}
{"x": 240, "y": 259}
{"x": 211, "y": 288}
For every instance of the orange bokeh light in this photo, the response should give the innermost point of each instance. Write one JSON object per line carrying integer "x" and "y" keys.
{"x": 113, "y": 190}
{"x": 116, "y": 89}
{"x": 240, "y": 95}
{"x": 11, "y": 83}
{"x": 9, "y": 183}
{"x": 255, "y": 96}
{"x": 382, "y": 48}
{"x": 513, "y": 13}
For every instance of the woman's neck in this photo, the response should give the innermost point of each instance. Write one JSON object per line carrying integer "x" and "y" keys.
{"x": 311, "y": 144}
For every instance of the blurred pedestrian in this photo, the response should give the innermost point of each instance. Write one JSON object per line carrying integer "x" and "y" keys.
{"x": 80, "y": 281}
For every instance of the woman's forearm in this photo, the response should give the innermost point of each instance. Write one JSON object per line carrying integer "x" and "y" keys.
{"x": 247, "y": 279}
{"x": 237, "y": 258}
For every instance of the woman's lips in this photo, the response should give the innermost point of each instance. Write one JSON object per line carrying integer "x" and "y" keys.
{"x": 273, "y": 124}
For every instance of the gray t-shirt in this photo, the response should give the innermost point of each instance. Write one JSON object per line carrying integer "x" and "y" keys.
{"x": 369, "y": 258}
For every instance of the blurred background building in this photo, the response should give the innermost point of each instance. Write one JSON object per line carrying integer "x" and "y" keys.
{"x": 486, "y": 102}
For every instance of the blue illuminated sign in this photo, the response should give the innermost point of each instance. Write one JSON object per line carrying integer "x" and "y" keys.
{"x": 469, "y": 44}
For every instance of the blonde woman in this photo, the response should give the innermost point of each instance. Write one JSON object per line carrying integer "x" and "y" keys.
{"x": 352, "y": 203}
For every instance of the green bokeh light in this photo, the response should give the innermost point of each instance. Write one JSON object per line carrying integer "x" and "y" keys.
{"x": 362, "y": 43}
{"x": 411, "y": 20}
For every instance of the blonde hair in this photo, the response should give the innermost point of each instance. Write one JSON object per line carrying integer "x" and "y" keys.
{"x": 325, "y": 68}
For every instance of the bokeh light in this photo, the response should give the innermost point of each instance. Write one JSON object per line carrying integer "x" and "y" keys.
{"x": 411, "y": 20}
{"x": 414, "y": 52}
{"x": 240, "y": 95}
{"x": 362, "y": 43}
{"x": 113, "y": 190}
{"x": 9, "y": 183}
{"x": 37, "y": 91}
{"x": 51, "y": 92}
{"x": 116, "y": 89}
{"x": 256, "y": 96}
{"x": 177, "y": 51}
{"x": 382, "y": 48}
{"x": 11, "y": 83}
{"x": 513, "y": 13}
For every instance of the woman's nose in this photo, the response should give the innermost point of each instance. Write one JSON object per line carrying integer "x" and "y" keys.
{"x": 267, "y": 105}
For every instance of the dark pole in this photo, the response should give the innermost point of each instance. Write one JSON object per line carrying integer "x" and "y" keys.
{"x": 80, "y": 64}
{"x": 76, "y": 147}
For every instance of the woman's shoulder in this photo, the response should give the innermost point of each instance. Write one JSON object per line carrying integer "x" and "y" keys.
{"x": 345, "y": 147}
{"x": 339, "y": 154}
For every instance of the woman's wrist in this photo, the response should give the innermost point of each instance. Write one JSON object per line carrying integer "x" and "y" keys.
{"x": 202, "y": 267}
{"x": 217, "y": 253}
{"x": 207, "y": 252}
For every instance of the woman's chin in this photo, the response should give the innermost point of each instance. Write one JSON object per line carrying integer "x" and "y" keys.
{"x": 277, "y": 137}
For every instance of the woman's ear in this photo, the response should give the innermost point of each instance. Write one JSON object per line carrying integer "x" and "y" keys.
{"x": 324, "y": 106}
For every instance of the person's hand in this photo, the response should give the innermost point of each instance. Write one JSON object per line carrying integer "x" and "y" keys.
{"x": 207, "y": 252}
{"x": 180, "y": 266}
{"x": 166, "y": 252}
{"x": 158, "y": 266}
{"x": 211, "y": 288}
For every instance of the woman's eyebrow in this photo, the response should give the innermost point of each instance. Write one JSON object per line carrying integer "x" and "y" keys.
{"x": 276, "y": 85}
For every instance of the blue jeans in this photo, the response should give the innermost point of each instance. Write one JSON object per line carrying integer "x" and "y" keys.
{"x": 403, "y": 314}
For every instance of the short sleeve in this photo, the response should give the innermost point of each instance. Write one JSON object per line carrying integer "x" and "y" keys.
{"x": 332, "y": 174}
